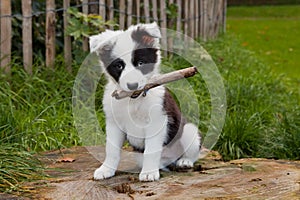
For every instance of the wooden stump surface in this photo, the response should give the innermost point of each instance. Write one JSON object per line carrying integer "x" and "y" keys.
{"x": 211, "y": 179}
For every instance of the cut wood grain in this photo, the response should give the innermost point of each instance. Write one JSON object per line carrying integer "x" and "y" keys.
{"x": 272, "y": 179}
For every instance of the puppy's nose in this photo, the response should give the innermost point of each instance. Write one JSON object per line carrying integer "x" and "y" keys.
{"x": 132, "y": 86}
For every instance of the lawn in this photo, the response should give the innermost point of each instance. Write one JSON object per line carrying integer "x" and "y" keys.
{"x": 272, "y": 32}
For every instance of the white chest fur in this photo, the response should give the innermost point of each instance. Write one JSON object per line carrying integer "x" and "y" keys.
{"x": 139, "y": 118}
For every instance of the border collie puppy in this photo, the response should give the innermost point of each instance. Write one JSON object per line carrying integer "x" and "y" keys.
{"x": 152, "y": 124}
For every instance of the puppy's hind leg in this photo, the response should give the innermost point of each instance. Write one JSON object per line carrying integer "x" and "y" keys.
{"x": 190, "y": 141}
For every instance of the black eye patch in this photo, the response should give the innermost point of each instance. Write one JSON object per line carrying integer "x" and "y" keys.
{"x": 115, "y": 68}
{"x": 144, "y": 59}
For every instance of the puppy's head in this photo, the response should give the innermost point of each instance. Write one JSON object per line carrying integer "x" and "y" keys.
{"x": 129, "y": 57}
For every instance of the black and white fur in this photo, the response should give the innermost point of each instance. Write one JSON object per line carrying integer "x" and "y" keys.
{"x": 152, "y": 124}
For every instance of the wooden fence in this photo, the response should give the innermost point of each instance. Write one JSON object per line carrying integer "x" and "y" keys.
{"x": 195, "y": 18}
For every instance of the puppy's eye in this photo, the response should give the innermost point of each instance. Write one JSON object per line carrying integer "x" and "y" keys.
{"x": 119, "y": 66}
{"x": 140, "y": 63}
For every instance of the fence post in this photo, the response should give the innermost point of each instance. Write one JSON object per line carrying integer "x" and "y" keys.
{"x": 154, "y": 10}
{"x": 178, "y": 20}
{"x": 50, "y": 33}
{"x": 204, "y": 19}
{"x": 122, "y": 14}
{"x": 163, "y": 18}
{"x": 5, "y": 35}
{"x": 138, "y": 11}
{"x": 147, "y": 11}
{"x": 170, "y": 25}
{"x": 85, "y": 10}
{"x": 111, "y": 12}
{"x": 197, "y": 19}
{"x": 102, "y": 9}
{"x": 27, "y": 35}
{"x": 129, "y": 12}
{"x": 191, "y": 19}
{"x": 186, "y": 16}
{"x": 67, "y": 39}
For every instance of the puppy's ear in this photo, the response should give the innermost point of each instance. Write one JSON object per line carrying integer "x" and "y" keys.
{"x": 147, "y": 34}
{"x": 103, "y": 41}
{"x": 152, "y": 29}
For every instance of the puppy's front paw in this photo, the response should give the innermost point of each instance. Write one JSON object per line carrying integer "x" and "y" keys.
{"x": 103, "y": 172}
{"x": 184, "y": 163}
{"x": 149, "y": 176}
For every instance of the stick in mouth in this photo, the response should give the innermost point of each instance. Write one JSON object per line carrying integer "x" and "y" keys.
{"x": 157, "y": 81}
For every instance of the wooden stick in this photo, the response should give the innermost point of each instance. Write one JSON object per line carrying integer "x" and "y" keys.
{"x": 156, "y": 81}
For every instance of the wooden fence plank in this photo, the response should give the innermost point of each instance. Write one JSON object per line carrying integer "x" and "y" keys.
{"x": 27, "y": 35}
{"x": 186, "y": 16}
{"x": 191, "y": 19}
{"x": 217, "y": 18}
{"x": 178, "y": 20}
{"x": 5, "y": 35}
{"x": 129, "y": 12}
{"x": 102, "y": 9}
{"x": 50, "y": 33}
{"x": 163, "y": 25}
{"x": 67, "y": 39}
{"x": 122, "y": 14}
{"x": 111, "y": 12}
{"x": 85, "y": 10}
{"x": 197, "y": 14}
{"x": 201, "y": 19}
{"x": 210, "y": 17}
{"x": 170, "y": 24}
{"x": 138, "y": 11}
{"x": 147, "y": 11}
{"x": 205, "y": 19}
{"x": 154, "y": 10}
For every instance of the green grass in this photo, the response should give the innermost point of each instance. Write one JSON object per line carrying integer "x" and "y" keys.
{"x": 36, "y": 110}
{"x": 272, "y": 32}
{"x": 36, "y": 115}
{"x": 17, "y": 166}
{"x": 263, "y": 114}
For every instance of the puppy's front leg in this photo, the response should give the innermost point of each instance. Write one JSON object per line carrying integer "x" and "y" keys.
{"x": 155, "y": 136}
{"x": 114, "y": 141}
